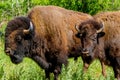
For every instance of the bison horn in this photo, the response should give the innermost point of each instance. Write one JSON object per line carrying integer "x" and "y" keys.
{"x": 27, "y": 31}
{"x": 102, "y": 27}
{"x": 77, "y": 28}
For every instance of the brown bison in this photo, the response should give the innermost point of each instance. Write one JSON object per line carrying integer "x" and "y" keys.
{"x": 46, "y": 35}
{"x": 100, "y": 38}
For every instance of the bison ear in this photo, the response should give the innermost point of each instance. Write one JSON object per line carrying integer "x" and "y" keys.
{"x": 77, "y": 35}
{"x": 100, "y": 34}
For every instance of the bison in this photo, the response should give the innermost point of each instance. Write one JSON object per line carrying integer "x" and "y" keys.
{"x": 100, "y": 38}
{"x": 45, "y": 35}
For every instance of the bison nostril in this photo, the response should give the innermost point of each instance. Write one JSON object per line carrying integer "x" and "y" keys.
{"x": 85, "y": 51}
{"x": 8, "y": 51}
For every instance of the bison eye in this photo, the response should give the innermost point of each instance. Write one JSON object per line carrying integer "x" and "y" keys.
{"x": 18, "y": 38}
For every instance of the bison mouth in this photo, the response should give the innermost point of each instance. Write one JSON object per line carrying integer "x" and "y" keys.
{"x": 85, "y": 52}
{"x": 16, "y": 59}
{"x": 15, "y": 56}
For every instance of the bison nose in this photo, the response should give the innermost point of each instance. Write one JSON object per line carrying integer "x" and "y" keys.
{"x": 85, "y": 51}
{"x": 8, "y": 51}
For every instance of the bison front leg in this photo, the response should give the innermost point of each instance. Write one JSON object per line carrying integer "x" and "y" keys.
{"x": 116, "y": 72}
{"x": 85, "y": 67}
{"x": 41, "y": 62}
{"x": 47, "y": 74}
{"x": 118, "y": 76}
{"x": 103, "y": 69}
{"x": 57, "y": 71}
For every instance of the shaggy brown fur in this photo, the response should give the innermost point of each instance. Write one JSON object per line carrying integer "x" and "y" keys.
{"x": 51, "y": 41}
{"x": 111, "y": 40}
{"x": 107, "y": 48}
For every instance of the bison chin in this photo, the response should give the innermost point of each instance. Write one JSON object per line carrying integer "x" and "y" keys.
{"x": 16, "y": 59}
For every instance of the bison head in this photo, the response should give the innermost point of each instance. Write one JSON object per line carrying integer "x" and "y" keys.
{"x": 89, "y": 32}
{"x": 18, "y": 34}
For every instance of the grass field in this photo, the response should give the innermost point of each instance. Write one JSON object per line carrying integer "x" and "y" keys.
{"x": 29, "y": 70}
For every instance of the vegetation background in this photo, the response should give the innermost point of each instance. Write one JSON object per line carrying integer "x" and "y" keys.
{"x": 28, "y": 69}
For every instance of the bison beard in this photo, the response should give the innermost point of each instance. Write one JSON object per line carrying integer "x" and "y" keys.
{"x": 46, "y": 35}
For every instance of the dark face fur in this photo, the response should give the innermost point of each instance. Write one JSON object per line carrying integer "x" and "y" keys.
{"x": 88, "y": 33}
{"x": 16, "y": 46}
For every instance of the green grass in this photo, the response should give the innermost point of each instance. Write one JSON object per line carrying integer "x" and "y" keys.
{"x": 29, "y": 70}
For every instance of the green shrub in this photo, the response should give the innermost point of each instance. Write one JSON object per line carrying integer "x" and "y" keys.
{"x": 12, "y": 8}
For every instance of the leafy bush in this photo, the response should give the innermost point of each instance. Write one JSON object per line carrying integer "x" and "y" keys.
{"x": 12, "y": 8}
